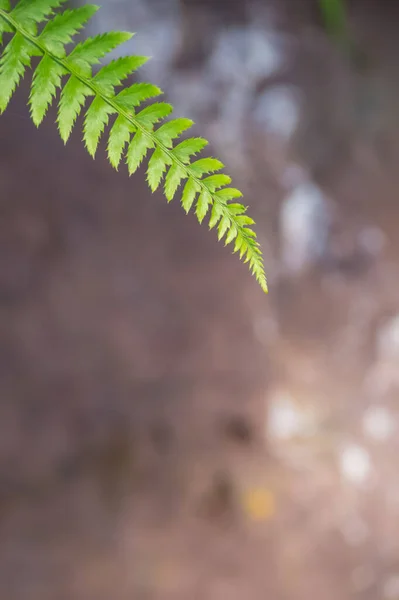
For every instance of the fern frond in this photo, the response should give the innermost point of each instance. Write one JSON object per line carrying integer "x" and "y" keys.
{"x": 190, "y": 191}
{"x": 205, "y": 165}
{"x": 35, "y": 28}
{"x": 118, "y": 138}
{"x": 46, "y": 79}
{"x": 73, "y": 97}
{"x": 28, "y": 13}
{"x": 92, "y": 50}
{"x": 137, "y": 151}
{"x": 137, "y": 93}
{"x": 172, "y": 130}
{"x": 185, "y": 150}
{"x": 15, "y": 59}
{"x": 153, "y": 114}
{"x": 173, "y": 179}
{"x": 60, "y": 31}
{"x": 204, "y": 202}
{"x": 4, "y": 25}
{"x": 112, "y": 75}
{"x": 214, "y": 182}
{"x": 96, "y": 119}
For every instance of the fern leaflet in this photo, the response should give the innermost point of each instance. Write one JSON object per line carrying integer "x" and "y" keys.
{"x": 36, "y": 28}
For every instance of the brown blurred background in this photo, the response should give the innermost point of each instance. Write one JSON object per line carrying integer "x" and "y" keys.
{"x": 167, "y": 432}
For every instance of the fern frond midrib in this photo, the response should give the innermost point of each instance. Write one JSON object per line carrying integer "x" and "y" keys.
{"x": 120, "y": 111}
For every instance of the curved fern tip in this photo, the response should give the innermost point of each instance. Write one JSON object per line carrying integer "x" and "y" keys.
{"x": 263, "y": 285}
{"x": 36, "y": 28}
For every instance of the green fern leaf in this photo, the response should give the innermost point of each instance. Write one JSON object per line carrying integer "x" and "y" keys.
{"x": 133, "y": 128}
{"x": 236, "y": 209}
{"x": 92, "y": 50}
{"x": 238, "y": 243}
{"x": 172, "y": 130}
{"x": 203, "y": 204}
{"x": 243, "y": 250}
{"x": 12, "y": 67}
{"x": 228, "y": 194}
{"x": 191, "y": 189}
{"x": 205, "y": 165}
{"x": 136, "y": 94}
{"x": 137, "y": 151}
{"x": 28, "y": 13}
{"x": 112, "y": 75}
{"x": 153, "y": 113}
{"x": 231, "y": 235}
{"x": 173, "y": 179}
{"x": 4, "y": 25}
{"x": 72, "y": 99}
{"x": 245, "y": 221}
{"x": 60, "y": 31}
{"x": 96, "y": 118}
{"x": 216, "y": 215}
{"x": 118, "y": 138}
{"x": 185, "y": 150}
{"x": 250, "y": 233}
{"x": 156, "y": 168}
{"x": 213, "y": 182}
{"x": 223, "y": 227}
{"x": 46, "y": 80}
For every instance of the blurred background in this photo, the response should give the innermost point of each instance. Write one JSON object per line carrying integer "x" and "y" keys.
{"x": 167, "y": 431}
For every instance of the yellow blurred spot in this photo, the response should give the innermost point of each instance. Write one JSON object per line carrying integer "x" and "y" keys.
{"x": 259, "y": 504}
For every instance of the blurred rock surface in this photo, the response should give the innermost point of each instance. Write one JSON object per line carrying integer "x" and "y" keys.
{"x": 166, "y": 431}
